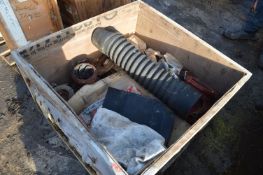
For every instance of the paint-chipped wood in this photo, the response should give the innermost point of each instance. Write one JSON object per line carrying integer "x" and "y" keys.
{"x": 10, "y": 27}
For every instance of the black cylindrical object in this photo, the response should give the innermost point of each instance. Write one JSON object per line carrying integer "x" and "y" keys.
{"x": 178, "y": 95}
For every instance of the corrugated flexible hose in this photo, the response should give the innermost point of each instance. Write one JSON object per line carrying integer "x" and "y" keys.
{"x": 178, "y": 95}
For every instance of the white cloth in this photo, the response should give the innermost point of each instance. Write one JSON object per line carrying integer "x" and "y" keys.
{"x": 132, "y": 145}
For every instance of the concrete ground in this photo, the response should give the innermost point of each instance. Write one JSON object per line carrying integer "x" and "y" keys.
{"x": 231, "y": 144}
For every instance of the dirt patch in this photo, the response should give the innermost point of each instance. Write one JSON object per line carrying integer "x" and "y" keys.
{"x": 28, "y": 145}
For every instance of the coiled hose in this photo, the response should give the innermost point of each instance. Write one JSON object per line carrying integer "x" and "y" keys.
{"x": 178, "y": 95}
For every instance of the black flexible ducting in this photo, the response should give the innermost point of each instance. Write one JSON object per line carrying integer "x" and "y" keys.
{"x": 178, "y": 95}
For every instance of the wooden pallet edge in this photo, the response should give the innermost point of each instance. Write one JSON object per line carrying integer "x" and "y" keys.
{"x": 8, "y": 59}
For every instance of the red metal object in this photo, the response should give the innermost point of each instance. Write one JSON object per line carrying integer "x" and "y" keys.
{"x": 190, "y": 79}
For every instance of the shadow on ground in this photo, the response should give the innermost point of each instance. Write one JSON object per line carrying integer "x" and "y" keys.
{"x": 28, "y": 143}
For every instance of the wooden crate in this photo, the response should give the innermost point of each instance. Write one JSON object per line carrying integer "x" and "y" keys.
{"x": 23, "y": 21}
{"x": 46, "y": 61}
{"x": 74, "y": 11}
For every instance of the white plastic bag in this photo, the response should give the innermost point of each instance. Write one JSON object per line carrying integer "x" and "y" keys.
{"x": 132, "y": 145}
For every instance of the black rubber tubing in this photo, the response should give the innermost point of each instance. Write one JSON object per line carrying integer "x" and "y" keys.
{"x": 178, "y": 95}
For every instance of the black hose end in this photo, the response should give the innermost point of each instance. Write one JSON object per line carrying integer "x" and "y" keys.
{"x": 100, "y": 36}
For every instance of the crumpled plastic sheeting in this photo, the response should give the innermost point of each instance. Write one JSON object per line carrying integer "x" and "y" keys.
{"x": 132, "y": 145}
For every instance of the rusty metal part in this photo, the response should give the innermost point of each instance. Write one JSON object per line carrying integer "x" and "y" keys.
{"x": 192, "y": 80}
{"x": 104, "y": 65}
{"x": 65, "y": 91}
{"x": 84, "y": 73}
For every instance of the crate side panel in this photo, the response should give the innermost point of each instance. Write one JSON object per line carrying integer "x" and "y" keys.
{"x": 211, "y": 66}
